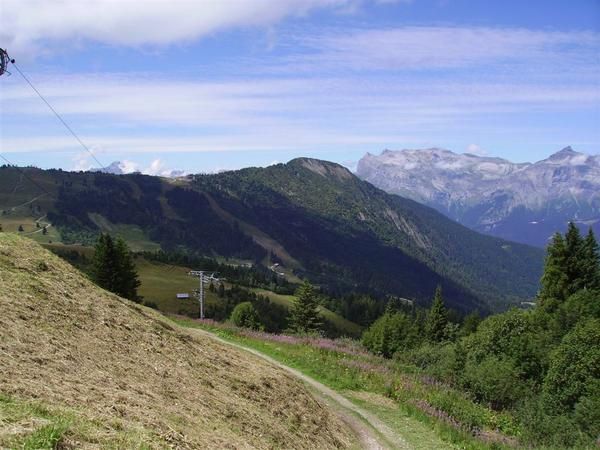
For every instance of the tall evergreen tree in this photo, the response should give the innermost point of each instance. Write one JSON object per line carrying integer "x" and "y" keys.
{"x": 574, "y": 263}
{"x": 555, "y": 280}
{"x": 114, "y": 268}
{"x": 590, "y": 262}
{"x": 104, "y": 265}
{"x": 305, "y": 313}
{"x": 436, "y": 323}
{"x": 127, "y": 281}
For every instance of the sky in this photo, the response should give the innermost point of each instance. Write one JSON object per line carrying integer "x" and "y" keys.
{"x": 211, "y": 85}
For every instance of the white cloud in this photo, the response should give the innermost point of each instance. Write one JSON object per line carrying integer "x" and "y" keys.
{"x": 26, "y": 23}
{"x": 129, "y": 166}
{"x": 474, "y": 80}
{"x": 81, "y": 161}
{"x": 141, "y": 114}
{"x": 272, "y": 104}
{"x": 444, "y": 47}
{"x": 475, "y": 149}
{"x": 158, "y": 167}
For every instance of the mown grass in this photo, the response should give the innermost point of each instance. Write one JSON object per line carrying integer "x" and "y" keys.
{"x": 32, "y": 425}
{"x": 85, "y": 369}
{"x": 420, "y": 404}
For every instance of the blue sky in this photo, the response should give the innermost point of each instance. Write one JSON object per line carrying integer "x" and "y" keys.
{"x": 210, "y": 85}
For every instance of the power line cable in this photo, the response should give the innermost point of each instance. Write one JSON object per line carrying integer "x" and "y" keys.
{"x": 26, "y": 176}
{"x": 100, "y": 165}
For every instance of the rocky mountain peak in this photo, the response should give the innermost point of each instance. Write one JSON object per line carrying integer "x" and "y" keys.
{"x": 526, "y": 202}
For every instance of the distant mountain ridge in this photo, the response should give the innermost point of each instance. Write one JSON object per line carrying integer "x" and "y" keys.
{"x": 522, "y": 202}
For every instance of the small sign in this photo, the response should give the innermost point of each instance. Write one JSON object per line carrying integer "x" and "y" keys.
{"x": 183, "y": 295}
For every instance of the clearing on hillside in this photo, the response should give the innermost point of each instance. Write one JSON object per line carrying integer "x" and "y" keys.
{"x": 82, "y": 368}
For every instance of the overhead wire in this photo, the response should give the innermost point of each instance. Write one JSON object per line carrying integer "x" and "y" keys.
{"x": 27, "y": 176}
{"x": 60, "y": 118}
{"x": 85, "y": 147}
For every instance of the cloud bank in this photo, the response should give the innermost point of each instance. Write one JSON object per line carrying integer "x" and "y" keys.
{"x": 25, "y": 23}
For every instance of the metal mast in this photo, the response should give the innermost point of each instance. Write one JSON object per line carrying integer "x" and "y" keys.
{"x": 203, "y": 278}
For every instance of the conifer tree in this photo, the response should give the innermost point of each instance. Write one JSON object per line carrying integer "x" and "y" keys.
{"x": 305, "y": 313}
{"x": 126, "y": 277}
{"x": 114, "y": 268}
{"x": 574, "y": 267}
{"x": 436, "y": 323}
{"x": 555, "y": 280}
{"x": 104, "y": 263}
{"x": 590, "y": 262}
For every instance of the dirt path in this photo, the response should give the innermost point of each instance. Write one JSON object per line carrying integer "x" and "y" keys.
{"x": 372, "y": 432}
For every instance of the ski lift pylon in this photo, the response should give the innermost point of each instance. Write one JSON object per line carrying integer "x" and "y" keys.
{"x": 4, "y": 60}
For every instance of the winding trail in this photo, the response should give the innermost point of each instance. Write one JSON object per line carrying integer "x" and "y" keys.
{"x": 372, "y": 432}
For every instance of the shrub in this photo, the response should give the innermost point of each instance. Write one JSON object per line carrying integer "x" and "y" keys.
{"x": 244, "y": 315}
{"x": 440, "y": 361}
{"x": 579, "y": 307}
{"x": 495, "y": 381}
{"x": 544, "y": 429}
{"x": 513, "y": 336}
{"x": 587, "y": 412}
{"x": 574, "y": 367}
{"x": 389, "y": 333}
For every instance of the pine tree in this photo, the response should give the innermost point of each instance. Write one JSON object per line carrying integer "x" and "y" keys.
{"x": 126, "y": 276}
{"x": 436, "y": 323}
{"x": 305, "y": 313}
{"x": 555, "y": 281}
{"x": 574, "y": 268}
{"x": 590, "y": 262}
{"x": 104, "y": 263}
{"x": 114, "y": 268}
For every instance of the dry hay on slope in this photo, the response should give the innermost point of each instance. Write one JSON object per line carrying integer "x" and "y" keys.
{"x": 66, "y": 343}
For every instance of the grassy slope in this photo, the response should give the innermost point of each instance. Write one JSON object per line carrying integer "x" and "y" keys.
{"x": 84, "y": 368}
{"x": 370, "y": 381}
{"x": 160, "y": 283}
{"x": 340, "y": 322}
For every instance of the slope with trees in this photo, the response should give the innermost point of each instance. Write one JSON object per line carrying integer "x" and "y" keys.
{"x": 341, "y": 233}
{"x": 541, "y": 366}
{"x": 82, "y": 368}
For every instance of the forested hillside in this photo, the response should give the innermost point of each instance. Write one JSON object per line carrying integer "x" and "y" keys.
{"x": 313, "y": 217}
{"x": 542, "y": 366}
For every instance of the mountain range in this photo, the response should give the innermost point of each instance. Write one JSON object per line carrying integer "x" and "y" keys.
{"x": 313, "y": 217}
{"x": 521, "y": 202}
